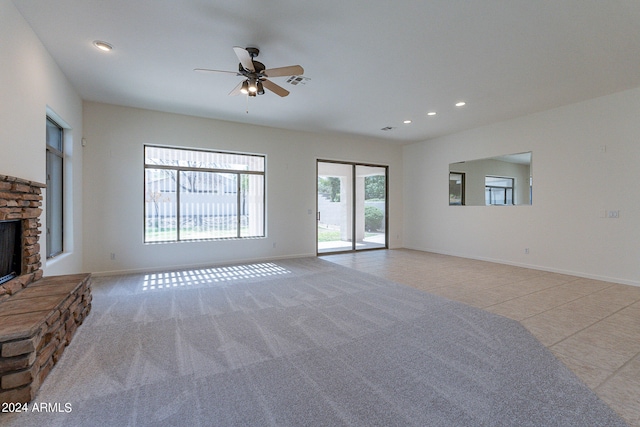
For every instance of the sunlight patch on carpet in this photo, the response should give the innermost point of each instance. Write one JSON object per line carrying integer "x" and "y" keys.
{"x": 203, "y": 276}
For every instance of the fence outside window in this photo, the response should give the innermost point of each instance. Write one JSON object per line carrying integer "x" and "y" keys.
{"x": 202, "y": 195}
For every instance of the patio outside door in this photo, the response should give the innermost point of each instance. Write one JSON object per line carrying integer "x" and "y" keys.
{"x": 351, "y": 207}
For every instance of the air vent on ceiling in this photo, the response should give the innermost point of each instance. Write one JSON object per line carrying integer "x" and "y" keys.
{"x": 298, "y": 80}
{"x": 386, "y": 128}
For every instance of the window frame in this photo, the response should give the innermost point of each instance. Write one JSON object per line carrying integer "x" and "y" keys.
{"x": 503, "y": 188}
{"x": 239, "y": 173}
{"x": 462, "y": 188}
{"x": 51, "y": 204}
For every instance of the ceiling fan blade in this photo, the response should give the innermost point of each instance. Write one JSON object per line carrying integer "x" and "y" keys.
{"x": 236, "y": 90}
{"x": 245, "y": 58}
{"x": 292, "y": 70}
{"x": 206, "y": 70}
{"x": 278, "y": 90}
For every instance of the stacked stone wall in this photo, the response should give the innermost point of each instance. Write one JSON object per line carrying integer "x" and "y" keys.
{"x": 22, "y": 200}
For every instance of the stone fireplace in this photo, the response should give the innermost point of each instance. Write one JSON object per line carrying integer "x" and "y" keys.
{"x": 38, "y": 315}
{"x": 21, "y": 200}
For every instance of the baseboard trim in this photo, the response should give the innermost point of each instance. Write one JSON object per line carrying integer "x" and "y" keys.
{"x": 196, "y": 266}
{"x": 535, "y": 267}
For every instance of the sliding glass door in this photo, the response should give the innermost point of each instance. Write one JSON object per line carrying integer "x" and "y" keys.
{"x": 371, "y": 207}
{"x": 351, "y": 207}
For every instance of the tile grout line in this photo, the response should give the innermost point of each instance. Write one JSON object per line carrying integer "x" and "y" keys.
{"x": 606, "y": 380}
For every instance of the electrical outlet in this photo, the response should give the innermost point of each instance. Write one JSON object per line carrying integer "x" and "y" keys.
{"x": 614, "y": 214}
{"x": 526, "y": 251}
{"x": 112, "y": 256}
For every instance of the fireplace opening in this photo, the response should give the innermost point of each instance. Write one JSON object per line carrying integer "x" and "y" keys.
{"x": 10, "y": 250}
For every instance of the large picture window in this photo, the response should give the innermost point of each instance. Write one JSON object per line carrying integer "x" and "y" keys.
{"x": 202, "y": 195}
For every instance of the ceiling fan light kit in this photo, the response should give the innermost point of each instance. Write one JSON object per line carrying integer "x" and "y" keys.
{"x": 256, "y": 74}
{"x": 253, "y": 86}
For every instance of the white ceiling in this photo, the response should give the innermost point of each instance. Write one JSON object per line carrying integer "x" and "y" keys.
{"x": 372, "y": 63}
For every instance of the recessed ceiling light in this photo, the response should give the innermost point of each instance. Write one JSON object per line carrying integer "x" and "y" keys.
{"x": 406, "y": 122}
{"x": 104, "y": 46}
{"x": 461, "y": 104}
{"x": 431, "y": 113}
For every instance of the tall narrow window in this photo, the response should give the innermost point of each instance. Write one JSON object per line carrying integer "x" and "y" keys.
{"x": 55, "y": 156}
{"x": 200, "y": 195}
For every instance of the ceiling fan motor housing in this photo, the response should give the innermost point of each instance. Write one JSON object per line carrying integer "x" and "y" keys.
{"x": 257, "y": 66}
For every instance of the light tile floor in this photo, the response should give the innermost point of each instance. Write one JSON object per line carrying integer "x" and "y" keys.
{"x": 592, "y": 326}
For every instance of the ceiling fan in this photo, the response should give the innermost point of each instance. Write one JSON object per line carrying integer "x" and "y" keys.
{"x": 256, "y": 74}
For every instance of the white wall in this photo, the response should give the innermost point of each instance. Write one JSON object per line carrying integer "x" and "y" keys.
{"x": 575, "y": 180}
{"x": 31, "y": 84}
{"x": 585, "y": 162}
{"x": 113, "y": 186}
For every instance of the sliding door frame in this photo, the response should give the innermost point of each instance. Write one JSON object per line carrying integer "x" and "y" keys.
{"x": 354, "y": 165}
